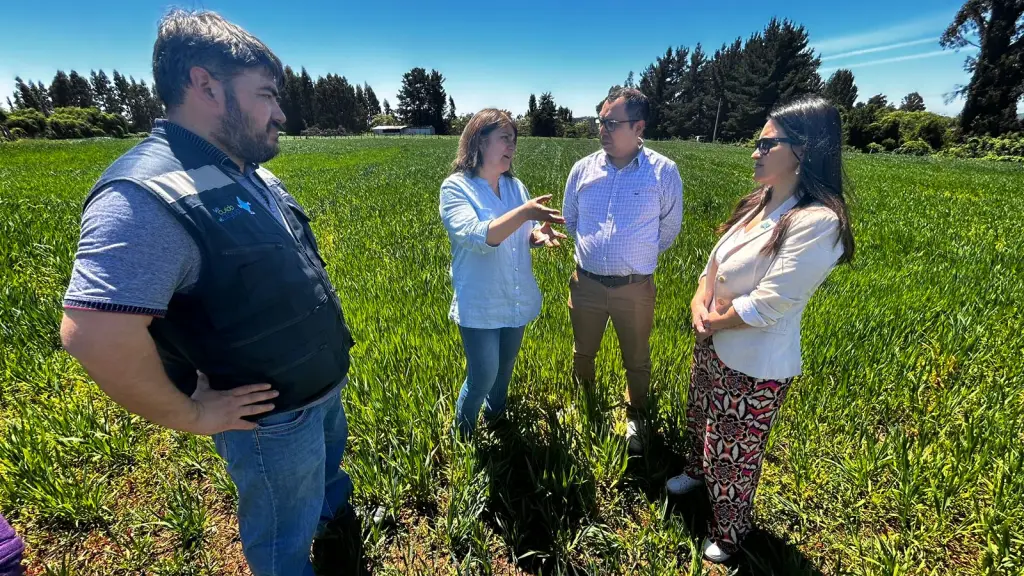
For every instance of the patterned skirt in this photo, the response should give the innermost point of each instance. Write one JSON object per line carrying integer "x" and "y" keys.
{"x": 728, "y": 418}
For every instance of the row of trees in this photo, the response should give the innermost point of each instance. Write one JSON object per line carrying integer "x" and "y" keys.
{"x": 724, "y": 95}
{"x": 330, "y": 104}
{"x": 122, "y": 96}
{"x": 727, "y": 95}
{"x": 693, "y": 93}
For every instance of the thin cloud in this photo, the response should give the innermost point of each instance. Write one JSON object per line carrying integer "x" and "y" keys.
{"x": 933, "y": 25}
{"x": 892, "y": 60}
{"x": 880, "y": 49}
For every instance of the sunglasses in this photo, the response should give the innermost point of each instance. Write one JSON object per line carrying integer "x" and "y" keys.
{"x": 611, "y": 125}
{"x": 765, "y": 145}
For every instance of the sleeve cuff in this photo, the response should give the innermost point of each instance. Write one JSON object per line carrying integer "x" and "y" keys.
{"x": 479, "y": 235}
{"x": 78, "y": 304}
{"x": 747, "y": 312}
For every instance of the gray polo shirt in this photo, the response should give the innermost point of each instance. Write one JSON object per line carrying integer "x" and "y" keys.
{"x": 134, "y": 254}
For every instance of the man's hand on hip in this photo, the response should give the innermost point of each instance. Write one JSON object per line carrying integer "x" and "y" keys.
{"x": 218, "y": 411}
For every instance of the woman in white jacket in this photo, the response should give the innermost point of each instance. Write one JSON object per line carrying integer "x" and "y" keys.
{"x": 779, "y": 245}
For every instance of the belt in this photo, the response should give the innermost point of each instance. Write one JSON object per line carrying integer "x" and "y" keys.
{"x": 614, "y": 281}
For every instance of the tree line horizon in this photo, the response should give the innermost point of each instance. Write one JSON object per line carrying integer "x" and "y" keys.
{"x": 724, "y": 95}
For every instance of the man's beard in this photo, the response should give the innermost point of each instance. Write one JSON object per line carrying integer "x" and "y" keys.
{"x": 242, "y": 137}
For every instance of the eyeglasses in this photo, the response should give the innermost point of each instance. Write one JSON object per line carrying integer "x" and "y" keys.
{"x": 765, "y": 145}
{"x": 612, "y": 125}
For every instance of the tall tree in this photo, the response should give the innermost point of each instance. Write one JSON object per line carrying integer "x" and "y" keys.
{"x": 60, "y": 90}
{"x": 42, "y": 95}
{"x": 142, "y": 105}
{"x": 291, "y": 102}
{"x": 103, "y": 92}
{"x": 362, "y": 118}
{"x": 372, "y": 104}
{"x": 531, "y": 107}
{"x": 629, "y": 81}
{"x": 81, "y": 91}
{"x": 878, "y": 102}
{"x": 438, "y": 101}
{"x": 421, "y": 100}
{"x": 545, "y": 121}
{"x": 654, "y": 83}
{"x": 122, "y": 92}
{"x": 336, "y": 105}
{"x": 450, "y": 117}
{"x": 694, "y": 111}
{"x": 777, "y": 66}
{"x": 841, "y": 90}
{"x": 912, "y": 102}
{"x": 387, "y": 108}
{"x": 997, "y": 72}
{"x": 564, "y": 118}
{"x": 26, "y": 96}
{"x": 307, "y": 99}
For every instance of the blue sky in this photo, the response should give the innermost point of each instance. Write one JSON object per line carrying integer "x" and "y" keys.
{"x": 497, "y": 54}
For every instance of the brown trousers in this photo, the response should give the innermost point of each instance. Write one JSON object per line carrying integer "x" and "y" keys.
{"x": 631, "y": 309}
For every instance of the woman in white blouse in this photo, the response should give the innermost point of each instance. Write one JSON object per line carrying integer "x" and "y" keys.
{"x": 779, "y": 245}
{"x": 492, "y": 223}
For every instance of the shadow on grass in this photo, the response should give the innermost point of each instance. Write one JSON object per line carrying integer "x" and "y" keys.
{"x": 541, "y": 488}
{"x": 542, "y": 491}
{"x": 761, "y": 553}
{"x": 339, "y": 551}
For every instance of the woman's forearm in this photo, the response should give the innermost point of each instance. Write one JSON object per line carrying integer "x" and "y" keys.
{"x": 699, "y": 296}
{"x": 503, "y": 226}
{"x": 724, "y": 321}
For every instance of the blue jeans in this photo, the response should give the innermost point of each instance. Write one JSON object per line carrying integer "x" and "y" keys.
{"x": 289, "y": 478}
{"x": 490, "y": 357}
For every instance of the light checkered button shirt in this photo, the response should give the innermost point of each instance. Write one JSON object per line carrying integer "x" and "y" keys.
{"x": 623, "y": 219}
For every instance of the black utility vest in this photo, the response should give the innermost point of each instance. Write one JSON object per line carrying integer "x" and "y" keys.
{"x": 263, "y": 309}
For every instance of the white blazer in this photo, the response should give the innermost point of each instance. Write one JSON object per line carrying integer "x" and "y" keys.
{"x": 777, "y": 289}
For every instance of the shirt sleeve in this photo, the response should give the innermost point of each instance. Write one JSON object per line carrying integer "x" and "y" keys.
{"x": 671, "y": 208}
{"x": 805, "y": 259}
{"x": 460, "y": 220}
{"x": 570, "y": 208}
{"x": 132, "y": 256}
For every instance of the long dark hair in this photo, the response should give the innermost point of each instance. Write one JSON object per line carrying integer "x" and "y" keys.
{"x": 816, "y": 124}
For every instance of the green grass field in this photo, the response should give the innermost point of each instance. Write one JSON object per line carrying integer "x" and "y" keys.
{"x": 900, "y": 450}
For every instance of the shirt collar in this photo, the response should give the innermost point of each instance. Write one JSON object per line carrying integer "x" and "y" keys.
{"x": 182, "y": 134}
{"x": 638, "y": 160}
{"x": 783, "y": 208}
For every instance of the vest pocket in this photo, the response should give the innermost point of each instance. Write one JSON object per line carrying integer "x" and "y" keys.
{"x": 252, "y": 248}
{"x": 250, "y": 280}
{"x": 313, "y": 371}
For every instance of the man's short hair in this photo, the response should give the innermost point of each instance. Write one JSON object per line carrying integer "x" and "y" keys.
{"x": 203, "y": 38}
{"x": 637, "y": 105}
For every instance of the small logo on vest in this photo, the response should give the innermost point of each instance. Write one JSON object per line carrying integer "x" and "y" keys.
{"x": 232, "y": 211}
{"x": 245, "y": 205}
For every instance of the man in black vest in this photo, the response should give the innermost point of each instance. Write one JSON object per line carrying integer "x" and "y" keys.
{"x": 199, "y": 299}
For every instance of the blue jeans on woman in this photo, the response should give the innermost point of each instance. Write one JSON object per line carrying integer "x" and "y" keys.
{"x": 490, "y": 357}
{"x": 290, "y": 483}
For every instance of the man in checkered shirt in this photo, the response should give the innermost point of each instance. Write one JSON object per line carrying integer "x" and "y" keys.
{"x": 623, "y": 206}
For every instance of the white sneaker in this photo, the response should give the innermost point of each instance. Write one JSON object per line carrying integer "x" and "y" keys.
{"x": 682, "y": 484}
{"x": 713, "y": 553}
{"x": 634, "y": 436}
